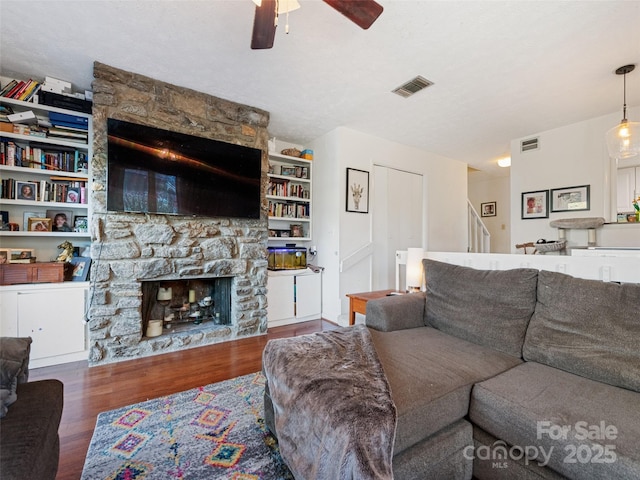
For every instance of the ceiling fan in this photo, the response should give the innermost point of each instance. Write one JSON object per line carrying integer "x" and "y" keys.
{"x": 361, "y": 12}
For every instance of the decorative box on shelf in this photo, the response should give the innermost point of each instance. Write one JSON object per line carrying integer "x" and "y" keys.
{"x": 38, "y": 272}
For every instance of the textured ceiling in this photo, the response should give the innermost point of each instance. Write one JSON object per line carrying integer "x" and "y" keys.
{"x": 502, "y": 70}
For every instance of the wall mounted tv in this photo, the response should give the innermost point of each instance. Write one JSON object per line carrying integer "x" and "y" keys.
{"x": 152, "y": 170}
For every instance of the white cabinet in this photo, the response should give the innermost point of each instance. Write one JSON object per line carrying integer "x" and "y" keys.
{"x": 52, "y": 315}
{"x": 280, "y": 291}
{"x": 294, "y": 297}
{"x": 289, "y": 197}
{"x": 628, "y": 188}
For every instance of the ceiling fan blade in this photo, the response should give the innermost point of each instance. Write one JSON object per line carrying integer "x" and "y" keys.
{"x": 361, "y": 12}
{"x": 264, "y": 26}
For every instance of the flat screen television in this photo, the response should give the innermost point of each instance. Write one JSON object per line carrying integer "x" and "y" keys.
{"x": 152, "y": 170}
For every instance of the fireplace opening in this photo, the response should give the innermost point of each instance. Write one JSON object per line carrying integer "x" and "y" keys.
{"x": 175, "y": 306}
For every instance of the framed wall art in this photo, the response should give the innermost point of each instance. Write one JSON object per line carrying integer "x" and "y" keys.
{"x": 569, "y": 199}
{"x": 488, "y": 209}
{"x": 357, "y": 191}
{"x": 535, "y": 204}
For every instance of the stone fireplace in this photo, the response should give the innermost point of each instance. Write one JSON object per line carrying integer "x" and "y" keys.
{"x": 134, "y": 254}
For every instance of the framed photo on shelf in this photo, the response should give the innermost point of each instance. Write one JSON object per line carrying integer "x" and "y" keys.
{"x": 488, "y": 209}
{"x": 535, "y": 204}
{"x": 5, "y": 255}
{"x": 80, "y": 270}
{"x": 60, "y": 220}
{"x": 569, "y": 199}
{"x": 73, "y": 195}
{"x": 39, "y": 224}
{"x": 26, "y": 190}
{"x": 80, "y": 224}
{"x": 22, "y": 255}
{"x": 27, "y": 215}
{"x": 357, "y": 191}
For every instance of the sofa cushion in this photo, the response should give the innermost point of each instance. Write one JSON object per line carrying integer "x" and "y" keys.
{"x": 29, "y": 442}
{"x": 431, "y": 374}
{"x": 487, "y": 307}
{"x": 532, "y": 405}
{"x": 441, "y": 456}
{"x": 14, "y": 368}
{"x": 587, "y": 327}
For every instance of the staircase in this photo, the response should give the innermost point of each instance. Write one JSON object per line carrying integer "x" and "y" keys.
{"x": 479, "y": 238}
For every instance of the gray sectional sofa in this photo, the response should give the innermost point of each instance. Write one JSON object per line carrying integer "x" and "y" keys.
{"x": 513, "y": 374}
{"x": 30, "y": 414}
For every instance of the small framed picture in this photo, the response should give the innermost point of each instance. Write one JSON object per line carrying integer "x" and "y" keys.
{"x": 357, "y": 191}
{"x": 37, "y": 224}
{"x": 73, "y": 195}
{"x": 535, "y": 204}
{"x": 60, "y": 220}
{"x": 26, "y": 190}
{"x": 488, "y": 209}
{"x": 288, "y": 171}
{"x": 24, "y": 255}
{"x": 27, "y": 215}
{"x": 80, "y": 268}
{"x": 569, "y": 199}
{"x": 82, "y": 163}
{"x": 296, "y": 230}
{"x": 5, "y": 255}
{"x": 80, "y": 224}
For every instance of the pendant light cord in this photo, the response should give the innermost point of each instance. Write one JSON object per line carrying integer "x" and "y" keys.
{"x": 624, "y": 97}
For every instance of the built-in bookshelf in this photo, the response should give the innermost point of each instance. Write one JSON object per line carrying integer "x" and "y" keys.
{"x": 289, "y": 197}
{"x": 43, "y": 174}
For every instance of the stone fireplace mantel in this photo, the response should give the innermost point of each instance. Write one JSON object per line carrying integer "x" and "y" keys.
{"x": 128, "y": 249}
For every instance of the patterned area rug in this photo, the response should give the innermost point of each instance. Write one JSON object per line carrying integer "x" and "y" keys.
{"x": 216, "y": 431}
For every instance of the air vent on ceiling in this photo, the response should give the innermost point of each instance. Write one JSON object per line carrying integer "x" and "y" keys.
{"x": 412, "y": 86}
{"x": 530, "y": 144}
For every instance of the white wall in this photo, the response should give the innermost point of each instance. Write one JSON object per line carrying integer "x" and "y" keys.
{"x": 338, "y": 233}
{"x": 568, "y": 156}
{"x": 484, "y": 189}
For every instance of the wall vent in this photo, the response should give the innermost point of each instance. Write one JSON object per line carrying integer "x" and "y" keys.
{"x": 412, "y": 86}
{"x": 530, "y": 144}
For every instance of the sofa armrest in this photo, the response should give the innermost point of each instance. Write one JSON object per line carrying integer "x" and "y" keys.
{"x": 396, "y": 312}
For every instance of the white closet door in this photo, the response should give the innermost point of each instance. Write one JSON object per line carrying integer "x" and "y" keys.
{"x": 397, "y": 220}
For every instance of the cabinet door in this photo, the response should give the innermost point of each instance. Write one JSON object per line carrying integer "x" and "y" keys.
{"x": 308, "y": 295}
{"x": 280, "y": 298}
{"x": 8, "y": 314}
{"x": 54, "y": 319}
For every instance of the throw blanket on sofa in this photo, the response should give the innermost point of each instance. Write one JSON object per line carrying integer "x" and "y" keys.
{"x": 332, "y": 404}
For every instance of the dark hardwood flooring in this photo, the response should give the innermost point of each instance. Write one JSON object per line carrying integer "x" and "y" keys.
{"x": 89, "y": 391}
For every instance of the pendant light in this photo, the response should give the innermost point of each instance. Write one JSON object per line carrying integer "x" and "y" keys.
{"x": 623, "y": 140}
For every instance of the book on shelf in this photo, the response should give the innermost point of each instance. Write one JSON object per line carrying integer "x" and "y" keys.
{"x": 30, "y": 91}
{"x": 43, "y": 156}
{"x": 68, "y": 134}
{"x": 8, "y": 87}
{"x": 16, "y": 88}
{"x": 55, "y": 189}
{"x": 66, "y": 120}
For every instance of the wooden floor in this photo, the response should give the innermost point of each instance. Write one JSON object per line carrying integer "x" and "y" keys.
{"x": 89, "y": 391}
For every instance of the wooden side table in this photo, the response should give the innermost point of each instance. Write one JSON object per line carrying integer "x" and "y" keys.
{"x": 358, "y": 302}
